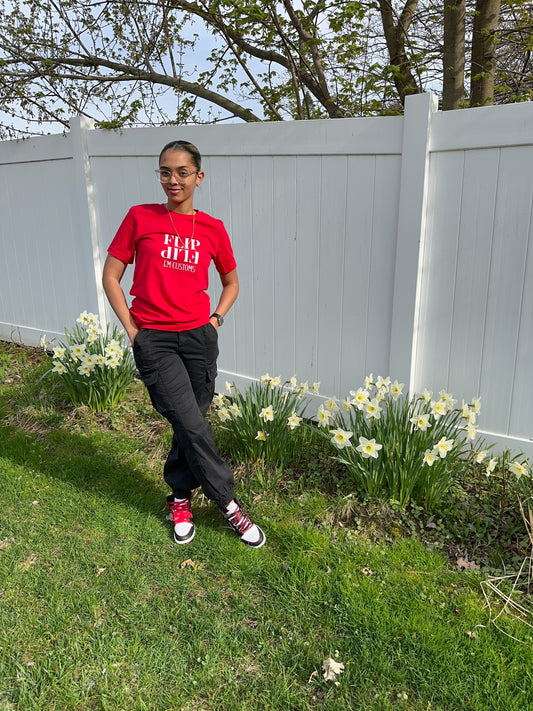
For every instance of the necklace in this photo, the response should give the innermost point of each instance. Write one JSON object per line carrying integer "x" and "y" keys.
{"x": 174, "y": 226}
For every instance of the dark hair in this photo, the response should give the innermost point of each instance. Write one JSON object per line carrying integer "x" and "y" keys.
{"x": 187, "y": 148}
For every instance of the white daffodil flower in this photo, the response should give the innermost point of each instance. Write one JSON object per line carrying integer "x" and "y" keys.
{"x": 59, "y": 352}
{"x": 465, "y": 410}
{"x": 346, "y": 404}
{"x": 261, "y": 436}
{"x": 84, "y": 369}
{"x": 331, "y": 404}
{"x": 471, "y": 432}
{"x": 429, "y": 457}
{"x": 265, "y": 379}
{"x": 447, "y": 399}
{"x": 219, "y": 400}
{"x": 235, "y": 410}
{"x": 519, "y": 470}
{"x": 383, "y": 383}
{"x": 323, "y": 416}
{"x": 361, "y": 398}
{"x": 373, "y": 409}
{"x": 224, "y": 414}
{"x": 427, "y": 395}
{"x": 443, "y": 446}
{"x": 294, "y": 382}
{"x": 438, "y": 409}
{"x": 368, "y": 381}
{"x": 396, "y": 389}
{"x": 491, "y": 466}
{"x": 480, "y": 456}
{"x": 421, "y": 421}
{"x": 476, "y": 405}
{"x": 368, "y": 448}
{"x": 315, "y": 388}
{"x": 294, "y": 421}
{"x": 341, "y": 438}
{"x": 229, "y": 386}
{"x": 59, "y": 367}
{"x": 77, "y": 349}
{"x": 267, "y": 414}
{"x": 275, "y": 382}
{"x": 304, "y": 387}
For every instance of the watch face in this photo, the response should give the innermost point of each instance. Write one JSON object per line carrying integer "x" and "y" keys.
{"x": 220, "y": 320}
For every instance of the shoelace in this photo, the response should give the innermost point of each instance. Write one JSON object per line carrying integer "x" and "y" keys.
{"x": 181, "y": 511}
{"x": 239, "y": 521}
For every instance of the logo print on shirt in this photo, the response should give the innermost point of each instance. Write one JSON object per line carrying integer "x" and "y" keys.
{"x": 180, "y": 253}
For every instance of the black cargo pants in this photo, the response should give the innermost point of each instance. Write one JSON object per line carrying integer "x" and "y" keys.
{"x": 179, "y": 370}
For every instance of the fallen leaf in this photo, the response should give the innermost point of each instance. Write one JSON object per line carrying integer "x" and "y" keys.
{"x": 367, "y": 571}
{"x": 99, "y": 571}
{"x": 6, "y": 543}
{"x": 466, "y": 564}
{"x": 35, "y": 503}
{"x": 471, "y": 634}
{"x": 187, "y": 564}
{"x": 330, "y": 668}
{"x": 314, "y": 675}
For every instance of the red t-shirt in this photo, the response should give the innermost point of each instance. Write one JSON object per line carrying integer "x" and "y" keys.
{"x": 172, "y": 261}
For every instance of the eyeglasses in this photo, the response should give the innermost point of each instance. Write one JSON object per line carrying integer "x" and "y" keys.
{"x": 165, "y": 175}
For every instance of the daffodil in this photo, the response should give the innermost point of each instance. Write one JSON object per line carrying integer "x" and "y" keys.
{"x": 519, "y": 470}
{"x": 294, "y": 421}
{"x": 480, "y": 456}
{"x": 315, "y": 388}
{"x": 373, "y": 409}
{"x": 112, "y": 362}
{"x": 368, "y": 448}
{"x": 78, "y": 349}
{"x": 438, "y": 409}
{"x": 361, "y": 398}
{"x": 294, "y": 382}
{"x": 85, "y": 369}
{"x": 59, "y": 367}
{"x": 383, "y": 383}
{"x": 471, "y": 432}
{"x": 427, "y": 395}
{"x": 465, "y": 410}
{"x": 447, "y": 399}
{"x": 421, "y": 421}
{"x": 323, "y": 416}
{"x": 224, "y": 414}
{"x": 219, "y": 400}
{"x": 235, "y": 410}
{"x": 265, "y": 379}
{"x": 396, "y": 389}
{"x": 267, "y": 414}
{"x": 261, "y": 436}
{"x": 476, "y": 405}
{"x": 331, "y": 404}
{"x": 304, "y": 387}
{"x": 59, "y": 352}
{"x": 229, "y": 386}
{"x": 275, "y": 382}
{"x": 346, "y": 404}
{"x": 429, "y": 457}
{"x": 341, "y": 438}
{"x": 443, "y": 446}
{"x": 491, "y": 466}
{"x": 368, "y": 381}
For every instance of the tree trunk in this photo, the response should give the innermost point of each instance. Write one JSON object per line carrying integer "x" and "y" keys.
{"x": 484, "y": 38}
{"x": 395, "y": 36}
{"x": 453, "y": 57}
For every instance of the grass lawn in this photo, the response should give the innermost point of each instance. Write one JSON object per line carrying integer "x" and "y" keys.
{"x": 99, "y": 609}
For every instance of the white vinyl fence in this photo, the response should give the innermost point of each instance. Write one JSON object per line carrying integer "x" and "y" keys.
{"x": 398, "y": 246}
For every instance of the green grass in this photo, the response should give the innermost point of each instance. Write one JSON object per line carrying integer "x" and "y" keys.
{"x": 98, "y": 610}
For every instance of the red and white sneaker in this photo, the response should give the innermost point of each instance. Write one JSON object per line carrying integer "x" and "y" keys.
{"x": 243, "y": 526}
{"x": 182, "y": 519}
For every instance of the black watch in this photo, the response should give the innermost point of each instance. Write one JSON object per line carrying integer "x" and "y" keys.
{"x": 218, "y": 317}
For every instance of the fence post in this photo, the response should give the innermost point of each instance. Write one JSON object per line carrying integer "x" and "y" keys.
{"x": 79, "y": 125}
{"x": 410, "y": 235}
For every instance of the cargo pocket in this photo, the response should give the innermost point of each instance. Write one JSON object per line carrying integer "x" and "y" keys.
{"x": 145, "y": 364}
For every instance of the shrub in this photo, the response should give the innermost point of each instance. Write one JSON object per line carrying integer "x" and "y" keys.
{"x": 95, "y": 367}
{"x": 400, "y": 448}
{"x": 264, "y": 422}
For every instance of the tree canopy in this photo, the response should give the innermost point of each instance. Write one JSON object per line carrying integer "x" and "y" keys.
{"x": 165, "y": 61}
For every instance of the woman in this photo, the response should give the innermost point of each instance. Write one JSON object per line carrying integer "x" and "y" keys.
{"x": 174, "y": 333}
